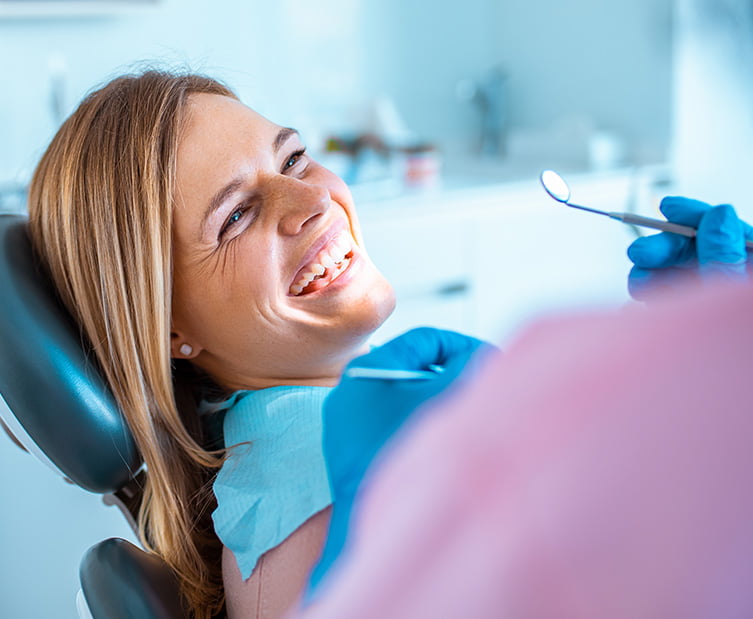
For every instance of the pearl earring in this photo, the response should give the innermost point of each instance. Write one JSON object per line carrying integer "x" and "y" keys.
{"x": 185, "y": 349}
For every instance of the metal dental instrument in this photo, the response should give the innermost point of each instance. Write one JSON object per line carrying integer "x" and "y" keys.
{"x": 393, "y": 374}
{"x": 558, "y": 189}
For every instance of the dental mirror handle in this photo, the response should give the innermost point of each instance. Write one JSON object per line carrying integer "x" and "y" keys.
{"x": 658, "y": 224}
{"x": 394, "y": 374}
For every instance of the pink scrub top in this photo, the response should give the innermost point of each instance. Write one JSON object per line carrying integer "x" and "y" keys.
{"x": 601, "y": 467}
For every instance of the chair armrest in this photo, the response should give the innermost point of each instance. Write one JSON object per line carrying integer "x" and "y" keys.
{"x": 119, "y": 581}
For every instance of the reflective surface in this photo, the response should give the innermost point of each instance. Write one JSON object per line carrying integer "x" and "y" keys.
{"x": 555, "y": 186}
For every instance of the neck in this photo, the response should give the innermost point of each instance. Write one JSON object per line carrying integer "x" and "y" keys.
{"x": 326, "y": 374}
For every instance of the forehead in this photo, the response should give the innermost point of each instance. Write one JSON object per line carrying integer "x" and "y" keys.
{"x": 222, "y": 139}
{"x": 217, "y": 123}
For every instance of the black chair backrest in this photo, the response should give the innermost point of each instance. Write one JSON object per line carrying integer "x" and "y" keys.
{"x": 55, "y": 402}
{"x": 52, "y": 395}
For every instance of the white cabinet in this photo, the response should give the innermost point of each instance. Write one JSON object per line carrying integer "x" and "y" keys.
{"x": 485, "y": 259}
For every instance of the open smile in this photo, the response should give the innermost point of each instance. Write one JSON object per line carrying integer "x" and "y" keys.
{"x": 328, "y": 264}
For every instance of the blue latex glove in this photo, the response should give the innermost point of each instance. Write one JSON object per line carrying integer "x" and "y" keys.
{"x": 718, "y": 249}
{"x": 360, "y": 416}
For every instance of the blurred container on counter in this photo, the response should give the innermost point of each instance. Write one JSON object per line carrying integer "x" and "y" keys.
{"x": 382, "y": 150}
{"x": 422, "y": 166}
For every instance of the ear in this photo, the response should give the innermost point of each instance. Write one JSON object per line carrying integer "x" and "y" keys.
{"x": 181, "y": 348}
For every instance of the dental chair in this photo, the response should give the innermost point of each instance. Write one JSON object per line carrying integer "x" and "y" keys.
{"x": 56, "y": 405}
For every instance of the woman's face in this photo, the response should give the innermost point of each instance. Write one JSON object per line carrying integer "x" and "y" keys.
{"x": 271, "y": 281}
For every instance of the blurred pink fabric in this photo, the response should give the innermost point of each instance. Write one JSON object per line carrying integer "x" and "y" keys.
{"x": 601, "y": 467}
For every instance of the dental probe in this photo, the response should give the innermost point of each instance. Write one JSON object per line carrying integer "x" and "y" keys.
{"x": 393, "y": 374}
{"x": 558, "y": 189}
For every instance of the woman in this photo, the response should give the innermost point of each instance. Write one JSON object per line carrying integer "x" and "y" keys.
{"x": 205, "y": 255}
{"x": 212, "y": 264}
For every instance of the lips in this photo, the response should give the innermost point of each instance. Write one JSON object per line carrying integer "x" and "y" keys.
{"x": 325, "y": 267}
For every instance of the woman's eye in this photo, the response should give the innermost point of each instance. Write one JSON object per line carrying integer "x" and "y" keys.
{"x": 234, "y": 218}
{"x": 293, "y": 159}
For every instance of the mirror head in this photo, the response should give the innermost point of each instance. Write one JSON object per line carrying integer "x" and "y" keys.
{"x": 555, "y": 186}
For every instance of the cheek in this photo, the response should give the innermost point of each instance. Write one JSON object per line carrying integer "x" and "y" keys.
{"x": 340, "y": 193}
{"x": 345, "y": 199}
{"x": 227, "y": 288}
{"x": 248, "y": 279}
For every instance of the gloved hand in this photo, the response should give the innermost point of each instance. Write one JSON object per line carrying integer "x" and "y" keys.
{"x": 360, "y": 416}
{"x": 718, "y": 249}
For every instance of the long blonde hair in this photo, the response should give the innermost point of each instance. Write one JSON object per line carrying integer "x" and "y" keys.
{"x": 100, "y": 211}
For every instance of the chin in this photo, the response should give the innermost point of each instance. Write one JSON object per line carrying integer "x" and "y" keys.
{"x": 389, "y": 306}
{"x": 382, "y": 301}
{"x": 367, "y": 311}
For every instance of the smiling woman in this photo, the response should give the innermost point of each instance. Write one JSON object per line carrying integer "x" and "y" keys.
{"x": 271, "y": 288}
{"x": 258, "y": 229}
{"x": 215, "y": 269}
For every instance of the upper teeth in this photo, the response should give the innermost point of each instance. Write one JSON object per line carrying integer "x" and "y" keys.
{"x": 332, "y": 255}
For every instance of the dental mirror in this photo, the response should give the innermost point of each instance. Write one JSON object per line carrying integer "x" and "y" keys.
{"x": 557, "y": 188}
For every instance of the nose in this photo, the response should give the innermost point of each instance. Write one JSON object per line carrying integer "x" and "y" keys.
{"x": 299, "y": 203}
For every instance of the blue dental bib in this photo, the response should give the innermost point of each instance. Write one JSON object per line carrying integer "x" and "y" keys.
{"x": 275, "y": 477}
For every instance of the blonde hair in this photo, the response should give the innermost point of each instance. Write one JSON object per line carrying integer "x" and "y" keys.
{"x": 100, "y": 212}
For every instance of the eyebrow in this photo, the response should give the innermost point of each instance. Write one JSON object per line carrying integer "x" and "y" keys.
{"x": 233, "y": 186}
{"x": 282, "y": 137}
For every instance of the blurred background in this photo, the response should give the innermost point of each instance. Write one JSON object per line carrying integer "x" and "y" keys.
{"x": 440, "y": 115}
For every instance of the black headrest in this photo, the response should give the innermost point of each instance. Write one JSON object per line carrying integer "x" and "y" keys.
{"x": 51, "y": 387}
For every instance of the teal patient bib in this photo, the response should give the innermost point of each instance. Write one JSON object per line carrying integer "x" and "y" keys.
{"x": 277, "y": 479}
